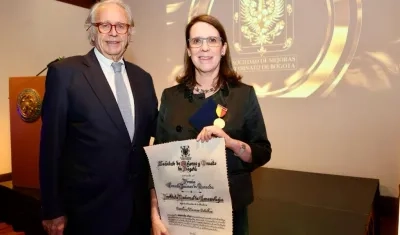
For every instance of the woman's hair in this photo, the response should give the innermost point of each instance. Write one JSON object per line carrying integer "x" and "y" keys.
{"x": 226, "y": 73}
{"x": 93, "y": 12}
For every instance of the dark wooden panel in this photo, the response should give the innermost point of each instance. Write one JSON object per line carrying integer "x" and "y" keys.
{"x": 271, "y": 216}
{"x": 389, "y": 206}
{"x": 303, "y": 203}
{"x": 80, "y": 3}
{"x": 5, "y": 177}
{"x": 321, "y": 190}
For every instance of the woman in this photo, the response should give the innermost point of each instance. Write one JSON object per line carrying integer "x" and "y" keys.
{"x": 209, "y": 74}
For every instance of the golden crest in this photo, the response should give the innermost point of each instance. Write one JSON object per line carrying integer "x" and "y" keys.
{"x": 262, "y": 26}
{"x": 264, "y": 44}
{"x": 29, "y": 105}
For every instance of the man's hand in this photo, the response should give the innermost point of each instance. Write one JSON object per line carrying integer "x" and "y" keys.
{"x": 55, "y": 226}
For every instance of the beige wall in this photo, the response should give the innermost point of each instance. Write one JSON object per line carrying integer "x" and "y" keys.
{"x": 34, "y": 33}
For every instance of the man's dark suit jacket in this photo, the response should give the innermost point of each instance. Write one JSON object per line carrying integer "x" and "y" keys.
{"x": 90, "y": 170}
{"x": 244, "y": 121}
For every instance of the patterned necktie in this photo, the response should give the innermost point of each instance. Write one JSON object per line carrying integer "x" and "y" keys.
{"x": 123, "y": 98}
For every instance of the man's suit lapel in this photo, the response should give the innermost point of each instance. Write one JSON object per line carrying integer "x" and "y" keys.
{"x": 101, "y": 88}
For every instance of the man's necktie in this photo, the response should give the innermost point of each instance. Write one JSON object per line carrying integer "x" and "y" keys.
{"x": 123, "y": 98}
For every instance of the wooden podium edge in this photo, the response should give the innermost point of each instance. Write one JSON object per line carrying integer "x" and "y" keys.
{"x": 6, "y": 177}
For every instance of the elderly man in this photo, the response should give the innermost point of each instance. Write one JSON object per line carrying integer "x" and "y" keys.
{"x": 98, "y": 113}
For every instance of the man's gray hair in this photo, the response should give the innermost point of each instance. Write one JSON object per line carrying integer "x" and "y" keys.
{"x": 93, "y": 11}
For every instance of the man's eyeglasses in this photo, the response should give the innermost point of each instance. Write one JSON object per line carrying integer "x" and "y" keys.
{"x": 211, "y": 41}
{"x": 120, "y": 28}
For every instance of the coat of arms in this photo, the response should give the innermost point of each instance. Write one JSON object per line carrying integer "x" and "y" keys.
{"x": 262, "y": 25}
{"x": 29, "y": 105}
{"x": 185, "y": 153}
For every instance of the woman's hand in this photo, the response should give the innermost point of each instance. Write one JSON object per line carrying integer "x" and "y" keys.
{"x": 241, "y": 149}
{"x": 158, "y": 227}
{"x": 209, "y": 132}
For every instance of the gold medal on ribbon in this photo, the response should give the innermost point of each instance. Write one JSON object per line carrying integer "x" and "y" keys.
{"x": 219, "y": 122}
{"x": 221, "y": 111}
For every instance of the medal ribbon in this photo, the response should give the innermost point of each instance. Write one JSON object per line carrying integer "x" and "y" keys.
{"x": 221, "y": 111}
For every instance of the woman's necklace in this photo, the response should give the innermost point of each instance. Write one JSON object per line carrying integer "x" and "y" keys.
{"x": 203, "y": 91}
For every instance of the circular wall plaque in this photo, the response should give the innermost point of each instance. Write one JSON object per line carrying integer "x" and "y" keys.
{"x": 29, "y": 105}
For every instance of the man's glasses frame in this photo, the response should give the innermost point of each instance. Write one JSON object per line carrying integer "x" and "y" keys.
{"x": 105, "y": 27}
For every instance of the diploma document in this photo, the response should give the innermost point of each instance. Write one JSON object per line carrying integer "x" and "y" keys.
{"x": 191, "y": 182}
